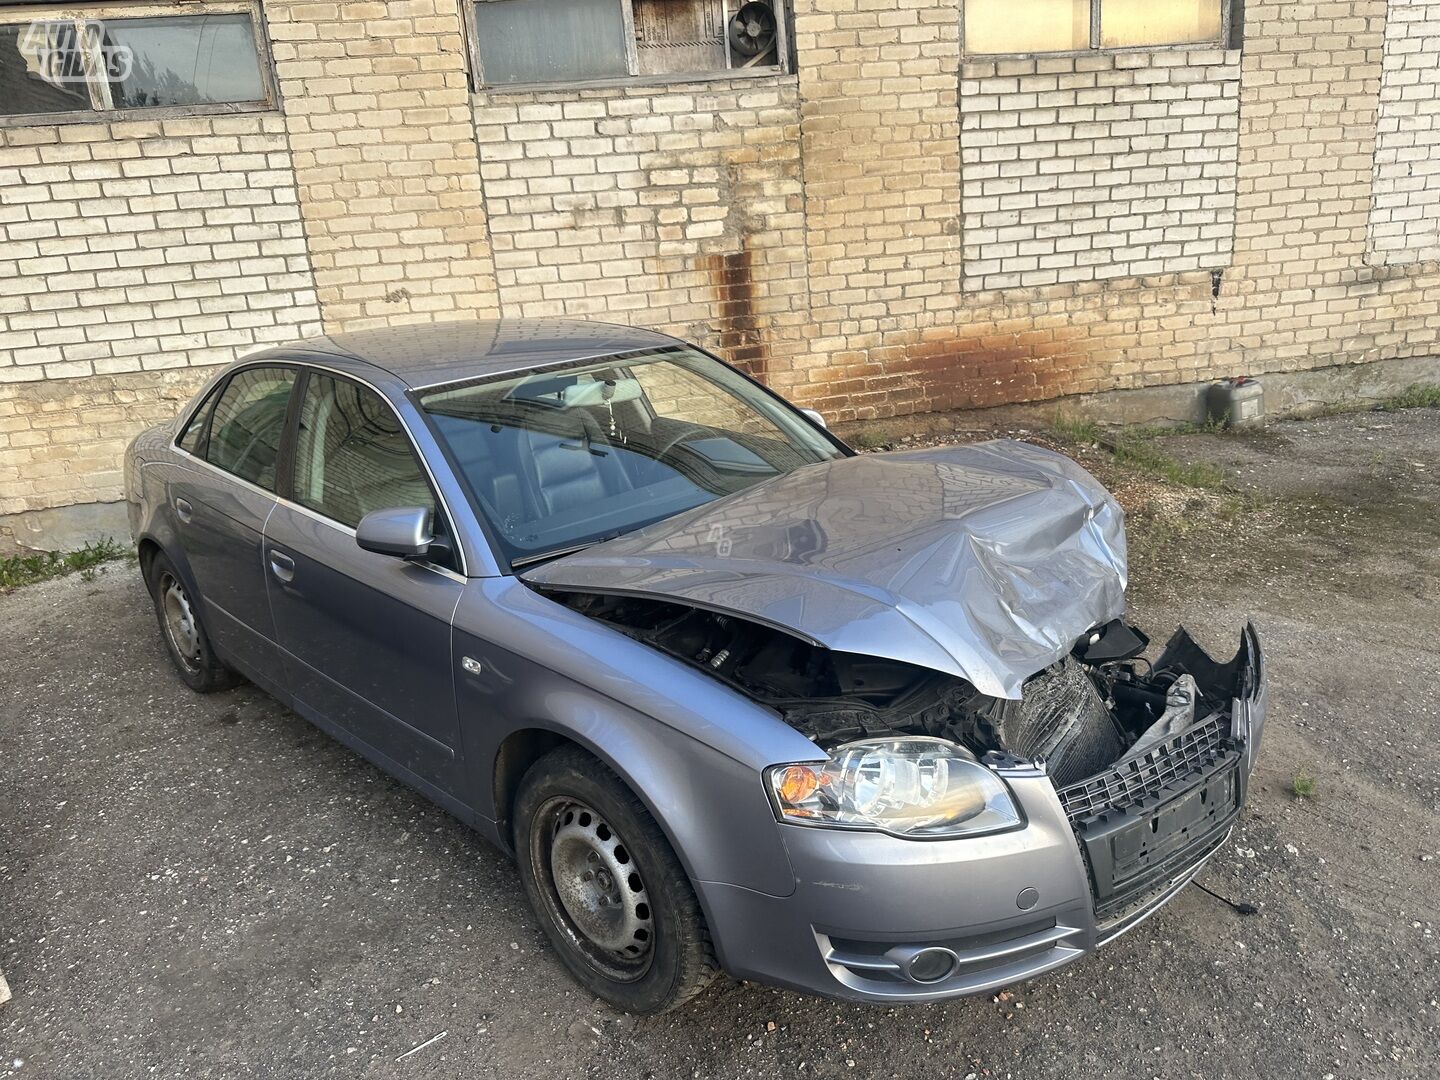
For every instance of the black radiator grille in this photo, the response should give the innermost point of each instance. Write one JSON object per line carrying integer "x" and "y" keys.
{"x": 1130, "y": 781}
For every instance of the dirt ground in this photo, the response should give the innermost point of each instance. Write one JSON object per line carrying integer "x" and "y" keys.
{"x": 210, "y": 887}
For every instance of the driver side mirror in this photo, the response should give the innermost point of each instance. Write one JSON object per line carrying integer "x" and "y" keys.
{"x": 815, "y": 418}
{"x": 403, "y": 532}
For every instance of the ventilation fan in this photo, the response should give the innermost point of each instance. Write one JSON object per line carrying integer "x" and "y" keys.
{"x": 753, "y": 29}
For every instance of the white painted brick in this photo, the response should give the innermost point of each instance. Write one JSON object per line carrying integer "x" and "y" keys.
{"x": 1404, "y": 220}
{"x": 1103, "y": 170}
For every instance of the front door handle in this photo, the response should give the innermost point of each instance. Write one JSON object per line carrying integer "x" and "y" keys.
{"x": 282, "y": 566}
{"x": 183, "y": 511}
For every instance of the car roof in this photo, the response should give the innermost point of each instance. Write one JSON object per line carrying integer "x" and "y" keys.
{"x": 430, "y": 354}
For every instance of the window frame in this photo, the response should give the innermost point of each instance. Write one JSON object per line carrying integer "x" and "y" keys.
{"x": 147, "y": 9}
{"x": 1231, "y": 15}
{"x": 785, "y": 65}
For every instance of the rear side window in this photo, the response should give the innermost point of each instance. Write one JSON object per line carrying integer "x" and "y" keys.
{"x": 352, "y": 456}
{"x": 249, "y": 422}
{"x": 189, "y": 440}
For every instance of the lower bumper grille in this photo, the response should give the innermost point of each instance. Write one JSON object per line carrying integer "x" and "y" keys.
{"x": 1133, "y": 780}
{"x": 1145, "y": 820}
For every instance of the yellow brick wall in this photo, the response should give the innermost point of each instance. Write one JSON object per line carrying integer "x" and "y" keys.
{"x": 678, "y": 207}
{"x": 377, "y": 107}
{"x": 893, "y": 227}
{"x": 62, "y": 440}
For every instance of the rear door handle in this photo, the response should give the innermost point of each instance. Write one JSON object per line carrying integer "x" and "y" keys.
{"x": 282, "y": 566}
{"x": 183, "y": 510}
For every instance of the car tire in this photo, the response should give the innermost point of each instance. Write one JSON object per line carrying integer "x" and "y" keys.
{"x": 609, "y": 891}
{"x": 183, "y": 633}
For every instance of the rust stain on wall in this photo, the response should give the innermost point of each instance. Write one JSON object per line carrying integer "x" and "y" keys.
{"x": 972, "y": 367}
{"x": 742, "y": 340}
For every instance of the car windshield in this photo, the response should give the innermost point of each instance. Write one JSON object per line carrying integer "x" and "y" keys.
{"x": 565, "y": 457}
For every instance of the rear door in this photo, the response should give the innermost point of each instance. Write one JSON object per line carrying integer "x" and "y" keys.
{"x": 220, "y": 501}
{"x": 365, "y": 638}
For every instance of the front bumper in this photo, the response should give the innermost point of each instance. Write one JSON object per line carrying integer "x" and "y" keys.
{"x": 1094, "y": 860}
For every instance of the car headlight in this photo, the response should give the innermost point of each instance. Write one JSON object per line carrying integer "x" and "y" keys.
{"x": 912, "y": 786}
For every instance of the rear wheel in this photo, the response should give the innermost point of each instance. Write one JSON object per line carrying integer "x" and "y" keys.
{"x": 184, "y": 633}
{"x": 613, "y": 898}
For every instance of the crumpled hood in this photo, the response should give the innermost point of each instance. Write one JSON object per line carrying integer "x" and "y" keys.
{"x": 985, "y": 561}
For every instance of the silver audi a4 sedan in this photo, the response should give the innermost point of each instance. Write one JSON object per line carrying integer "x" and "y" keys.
{"x": 735, "y": 697}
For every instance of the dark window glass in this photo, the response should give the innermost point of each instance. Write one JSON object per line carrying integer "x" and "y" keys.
{"x": 79, "y": 65}
{"x": 190, "y": 440}
{"x": 249, "y": 422}
{"x": 352, "y": 456}
{"x": 531, "y": 41}
{"x": 187, "y": 60}
{"x": 41, "y": 69}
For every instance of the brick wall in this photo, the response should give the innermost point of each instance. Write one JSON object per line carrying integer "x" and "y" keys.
{"x": 62, "y": 440}
{"x": 1405, "y": 210}
{"x": 879, "y": 89}
{"x": 889, "y": 229}
{"x": 1300, "y": 293}
{"x": 376, "y": 105}
{"x": 679, "y": 207}
{"x": 147, "y": 244}
{"x": 127, "y": 249}
{"x": 1093, "y": 167}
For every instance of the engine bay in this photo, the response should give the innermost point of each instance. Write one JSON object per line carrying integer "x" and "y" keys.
{"x": 1100, "y": 703}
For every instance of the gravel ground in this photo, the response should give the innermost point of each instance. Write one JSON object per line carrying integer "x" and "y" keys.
{"x": 210, "y": 887}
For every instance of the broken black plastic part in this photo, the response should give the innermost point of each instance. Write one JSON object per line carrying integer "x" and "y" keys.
{"x": 1116, "y": 641}
{"x": 1217, "y": 682}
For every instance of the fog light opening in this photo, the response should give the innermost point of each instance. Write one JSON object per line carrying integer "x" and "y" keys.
{"x": 932, "y": 966}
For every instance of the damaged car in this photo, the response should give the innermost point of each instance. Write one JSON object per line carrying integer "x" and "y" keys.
{"x": 735, "y": 697}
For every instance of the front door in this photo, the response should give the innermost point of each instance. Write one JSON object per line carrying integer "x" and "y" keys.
{"x": 365, "y": 638}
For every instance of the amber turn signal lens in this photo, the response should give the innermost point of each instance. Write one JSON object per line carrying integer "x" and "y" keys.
{"x": 797, "y": 783}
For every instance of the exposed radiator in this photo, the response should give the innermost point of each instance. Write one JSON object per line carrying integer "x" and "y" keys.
{"x": 1061, "y": 718}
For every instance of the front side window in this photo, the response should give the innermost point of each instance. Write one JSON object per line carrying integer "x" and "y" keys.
{"x": 567, "y": 456}
{"x": 1044, "y": 26}
{"x": 558, "y": 41}
{"x": 103, "y": 64}
{"x": 248, "y": 424}
{"x": 352, "y": 455}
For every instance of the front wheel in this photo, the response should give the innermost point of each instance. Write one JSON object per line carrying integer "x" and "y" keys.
{"x": 183, "y": 632}
{"x": 614, "y": 900}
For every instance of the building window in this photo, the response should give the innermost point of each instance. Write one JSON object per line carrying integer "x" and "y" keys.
{"x": 78, "y": 67}
{"x": 533, "y": 42}
{"x": 1008, "y": 27}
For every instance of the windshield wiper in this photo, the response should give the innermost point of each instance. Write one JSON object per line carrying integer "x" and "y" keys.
{"x": 555, "y": 553}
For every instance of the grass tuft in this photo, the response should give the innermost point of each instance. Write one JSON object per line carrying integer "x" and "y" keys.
{"x": 1303, "y": 785}
{"x": 1417, "y": 396}
{"x": 17, "y": 570}
{"x": 1135, "y": 447}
